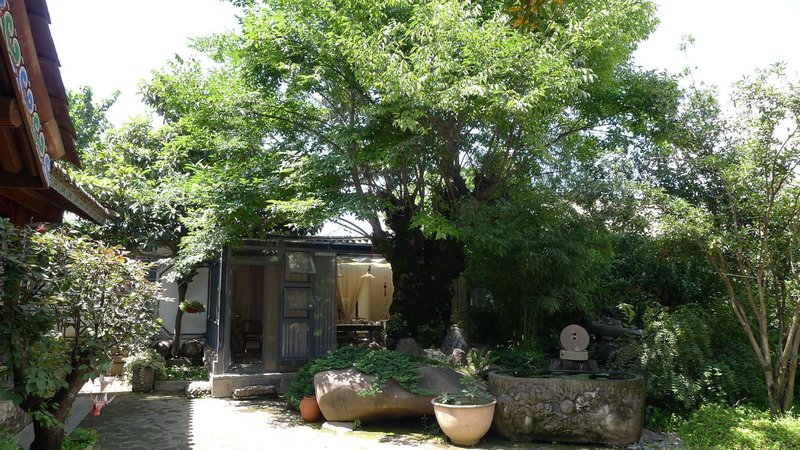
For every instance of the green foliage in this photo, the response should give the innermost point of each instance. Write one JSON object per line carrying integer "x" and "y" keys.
{"x": 383, "y": 364}
{"x": 89, "y": 117}
{"x": 430, "y": 335}
{"x": 539, "y": 258}
{"x": 192, "y": 306}
{"x": 516, "y": 359}
{"x": 741, "y": 210}
{"x": 660, "y": 419}
{"x": 715, "y": 426}
{"x": 402, "y": 111}
{"x": 192, "y": 373}
{"x": 650, "y": 268}
{"x": 80, "y": 439}
{"x": 471, "y": 394}
{"x": 692, "y": 356}
{"x": 146, "y": 358}
{"x": 8, "y": 441}
{"x": 67, "y": 302}
{"x": 480, "y": 362}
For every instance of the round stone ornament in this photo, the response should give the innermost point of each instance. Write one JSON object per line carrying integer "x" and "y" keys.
{"x": 574, "y": 338}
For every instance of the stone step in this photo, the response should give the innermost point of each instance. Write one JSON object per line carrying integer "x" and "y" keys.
{"x": 253, "y": 391}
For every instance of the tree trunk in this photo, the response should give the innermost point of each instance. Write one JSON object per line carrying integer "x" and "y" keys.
{"x": 51, "y": 437}
{"x": 423, "y": 271}
{"x": 46, "y": 438}
{"x": 183, "y": 286}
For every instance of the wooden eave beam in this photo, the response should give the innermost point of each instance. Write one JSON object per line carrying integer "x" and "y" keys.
{"x": 10, "y": 159}
{"x": 10, "y": 180}
{"x": 27, "y": 198}
{"x": 41, "y": 96}
{"x": 9, "y": 112}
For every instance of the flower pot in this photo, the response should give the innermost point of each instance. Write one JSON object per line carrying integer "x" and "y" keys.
{"x": 143, "y": 380}
{"x": 309, "y": 408}
{"x": 464, "y": 424}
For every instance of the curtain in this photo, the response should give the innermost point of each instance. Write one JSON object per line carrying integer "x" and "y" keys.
{"x": 348, "y": 285}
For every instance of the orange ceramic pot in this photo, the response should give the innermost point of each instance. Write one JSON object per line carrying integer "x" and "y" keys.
{"x": 309, "y": 408}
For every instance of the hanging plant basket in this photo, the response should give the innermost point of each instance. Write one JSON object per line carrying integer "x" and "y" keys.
{"x": 192, "y": 306}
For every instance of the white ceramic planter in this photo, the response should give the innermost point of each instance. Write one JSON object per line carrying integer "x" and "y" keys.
{"x": 464, "y": 424}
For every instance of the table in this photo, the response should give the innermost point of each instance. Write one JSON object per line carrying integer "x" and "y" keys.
{"x": 355, "y": 333}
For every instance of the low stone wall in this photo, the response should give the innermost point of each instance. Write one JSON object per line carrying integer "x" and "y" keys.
{"x": 12, "y": 418}
{"x": 223, "y": 385}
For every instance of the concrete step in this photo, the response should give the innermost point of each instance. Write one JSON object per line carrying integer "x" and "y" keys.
{"x": 257, "y": 390}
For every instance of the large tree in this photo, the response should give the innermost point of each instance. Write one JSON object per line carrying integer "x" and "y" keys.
{"x": 187, "y": 186}
{"x": 401, "y": 111}
{"x": 65, "y": 303}
{"x": 739, "y": 201}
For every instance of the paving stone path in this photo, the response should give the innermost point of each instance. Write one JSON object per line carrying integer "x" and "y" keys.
{"x": 171, "y": 421}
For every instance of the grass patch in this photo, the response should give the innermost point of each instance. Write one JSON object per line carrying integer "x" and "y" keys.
{"x": 8, "y": 441}
{"x": 190, "y": 373}
{"x": 79, "y": 439}
{"x": 717, "y": 426}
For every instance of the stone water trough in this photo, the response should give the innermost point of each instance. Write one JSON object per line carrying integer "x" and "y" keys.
{"x": 564, "y": 406}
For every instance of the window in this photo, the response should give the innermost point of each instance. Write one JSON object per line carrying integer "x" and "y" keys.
{"x": 296, "y": 302}
{"x": 300, "y": 262}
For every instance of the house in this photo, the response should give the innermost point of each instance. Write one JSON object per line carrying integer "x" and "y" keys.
{"x": 272, "y": 304}
{"x": 35, "y": 131}
{"x": 35, "y": 127}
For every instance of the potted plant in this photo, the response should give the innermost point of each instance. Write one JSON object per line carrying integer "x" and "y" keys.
{"x": 466, "y": 416}
{"x": 192, "y": 306}
{"x": 143, "y": 367}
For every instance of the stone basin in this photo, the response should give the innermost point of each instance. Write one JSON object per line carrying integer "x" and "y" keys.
{"x": 575, "y": 407}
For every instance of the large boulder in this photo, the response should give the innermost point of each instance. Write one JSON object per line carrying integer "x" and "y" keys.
{"x": 337, "y": 392}
{"x": 454, "y": 339}
{"x": 408, "y": 346}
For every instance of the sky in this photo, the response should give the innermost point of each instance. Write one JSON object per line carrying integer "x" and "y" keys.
{"x": 113, "y": 44}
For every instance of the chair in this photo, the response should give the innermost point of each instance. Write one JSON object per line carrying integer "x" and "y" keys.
{"x": 251, "y": 336}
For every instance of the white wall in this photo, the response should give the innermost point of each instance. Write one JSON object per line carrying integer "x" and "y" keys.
{"x": 193, "y": 324}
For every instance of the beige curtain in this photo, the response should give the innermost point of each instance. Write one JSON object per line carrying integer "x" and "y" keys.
{"x": 348, "y": 285}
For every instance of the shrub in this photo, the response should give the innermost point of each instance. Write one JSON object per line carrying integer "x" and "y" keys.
{"x": 519, "y": 360}
{"x": 191, "y": 373}
{"x": 691, "y": 356}
{"x": 715, "y": 426}
{"x": 146, "y": 358}
{"x": 8, "y": 441}
{"x": 67, "y": 304}
{"x": 79, "y": 439}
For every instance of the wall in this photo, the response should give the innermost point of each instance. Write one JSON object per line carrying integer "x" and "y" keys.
{"x": 193, "y": 325}
{"x": 12, "y": 418}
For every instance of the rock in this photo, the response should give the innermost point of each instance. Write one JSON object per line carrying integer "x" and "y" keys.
{"x": 458, "y": 357}
{"x": 454, "y": 339}
{"x": 337, "y": 394}
{"x": 435, "y": 353}
{"x": 198, "y": 389}
{"x": 408, "y": 346}
{"x": 339, "y": 427}
{"x": 192, "y": 349}
{"x": 253, "y": 391}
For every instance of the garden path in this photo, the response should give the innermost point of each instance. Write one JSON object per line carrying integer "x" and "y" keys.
{"x": 169, "y": 420}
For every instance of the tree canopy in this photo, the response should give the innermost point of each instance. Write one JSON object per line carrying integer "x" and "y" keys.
{"x": 399, "y": 112}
